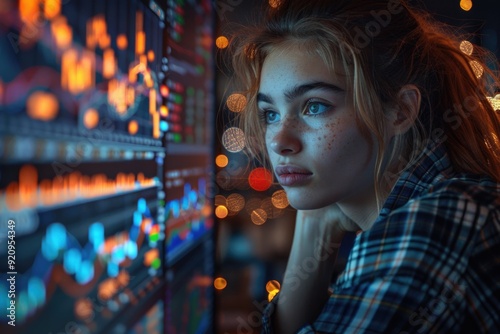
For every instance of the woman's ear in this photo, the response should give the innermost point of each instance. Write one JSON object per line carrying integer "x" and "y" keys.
{"x": 407, "y": 109}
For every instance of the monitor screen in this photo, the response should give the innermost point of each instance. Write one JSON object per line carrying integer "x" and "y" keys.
{"x": 105, "y": 150}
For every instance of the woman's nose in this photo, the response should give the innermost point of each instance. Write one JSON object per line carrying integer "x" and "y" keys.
{"x": 285, "y": 139}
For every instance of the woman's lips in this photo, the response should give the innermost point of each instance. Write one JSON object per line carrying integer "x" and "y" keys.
{"x": 292, "y": 176}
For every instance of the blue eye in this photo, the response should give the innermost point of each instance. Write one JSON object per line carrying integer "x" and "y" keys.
{"x": 314, "y": 108}
{"x": 269, "y": 116}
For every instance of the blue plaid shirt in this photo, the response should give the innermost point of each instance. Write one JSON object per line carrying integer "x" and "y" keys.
{"x": 429, "y": 264}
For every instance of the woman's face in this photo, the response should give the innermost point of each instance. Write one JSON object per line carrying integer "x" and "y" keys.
{"x": 315, "y": 146}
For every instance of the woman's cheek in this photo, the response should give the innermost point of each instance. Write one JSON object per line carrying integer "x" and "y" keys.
{"x": 329, "y": 138}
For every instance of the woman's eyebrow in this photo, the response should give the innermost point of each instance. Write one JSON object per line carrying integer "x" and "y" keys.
{"x": 301, "y": 90}
{"x": 261, "y": 97}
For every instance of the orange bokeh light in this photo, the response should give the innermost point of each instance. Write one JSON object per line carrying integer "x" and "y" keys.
{"x": 258, "y": 216}
{"x": 274, "y": 3}
{"x": 91, "y": 118}
{"x": 279, "y": 199}
{"x": 121, "y": 42}
{"x": 221, "y": 160}
{"x": 62, "y": 32}
{"x": 272, "y": 285}
{"x": 466, "y": 5}
{"x": 271, "y": 295}
{"x": 133, "y": 127}
{"x": 163, "y": 111}
{"x": 52, "y": 8}
{"x": 108, "y": 64}
{"x": 466, "y": 47}
{"x": 29, "y": 10}
{"x": 235, "y": 202}
{"x": 220, "y": 283}
{"x": 260, "y": 179}
{"x": 222, "y": 42}
{"x": 77, "y": 70}
{"x": 150, "y": 256}
{"x": 236, "y": 102}
{"x": 221, "y": 212}
{"x": 477, "y": 68}
{"x": 164, "y": 91}
{"x": 151, "y": 55}
{"x": 42, "y": 106}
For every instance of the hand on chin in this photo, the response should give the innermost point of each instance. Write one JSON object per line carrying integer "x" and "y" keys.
{"x": 328, "y": 217}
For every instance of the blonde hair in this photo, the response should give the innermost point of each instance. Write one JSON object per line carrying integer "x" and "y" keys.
{"x": 382, "y": 46}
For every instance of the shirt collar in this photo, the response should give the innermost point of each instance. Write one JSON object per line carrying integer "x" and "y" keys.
{"x": 433, "y": 165}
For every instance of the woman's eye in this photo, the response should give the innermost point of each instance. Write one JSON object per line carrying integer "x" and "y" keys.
{"x": 271, "y": 116}
{"x": 314, "y": 108}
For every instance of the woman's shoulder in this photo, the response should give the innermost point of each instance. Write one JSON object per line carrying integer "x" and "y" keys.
{"x": 447, "y": 222}
{"x": 446, "y": 199}
{"x": 464, "y": 187}
{"x": 458, "y": 200}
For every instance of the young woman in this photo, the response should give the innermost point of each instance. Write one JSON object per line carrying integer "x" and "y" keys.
{"x": 375, "y": 121}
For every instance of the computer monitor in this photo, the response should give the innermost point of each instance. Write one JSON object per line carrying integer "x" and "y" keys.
{"x": 105, "y": 150}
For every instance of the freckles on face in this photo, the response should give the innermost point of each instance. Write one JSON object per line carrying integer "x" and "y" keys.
{"x": 310, "y": 126}
{"x": 333, "y": 129}
{"x": 325, "y": 139}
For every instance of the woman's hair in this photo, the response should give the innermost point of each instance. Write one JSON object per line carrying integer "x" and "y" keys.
{"x": 383, "y": 45}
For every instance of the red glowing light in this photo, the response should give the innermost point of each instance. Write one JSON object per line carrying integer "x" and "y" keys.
{"x": 260, "y": 179}
{"x": 164, "y": 91}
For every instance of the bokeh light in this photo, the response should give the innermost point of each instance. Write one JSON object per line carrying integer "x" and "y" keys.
{"x": 236, "y": 102}
{"x": 270, "y": 209}
{"x": 477, "y": 68}
{"x": 164, "y": 90}
{"x": 274, "y": 3}
{"x": 62, "y": 32}
{"x": 279, "y": 199}
{"x": 235, "y": 202}
{"x": 272, "y": 294}
{"x": 495, "y": 102}
{"x": 220, "y": 283}
{"x": 42, "y": 106}
{"x": 133, "y": 127}
{"x": 84, "y": 308}
{"x": 260, "y": 179}
{"x": 52, "y": 8}
{"x": 233, "y": 139}
{"x": 90, "y": 118}
{"x": 221, "y": 160}
{"x": 151, "y": 55}
{"x": 272, "y": 288}
{"x": 221, "y": 212}
{"x": 121, "y": 42}
{"x": 272, "y": 285}
{"x": 221, "y": 42}
{"x": 258, "y": 216}
{"x": 466, "y": 47}
{"x": 466, "y": 5}
{"x": 164, "y": 111}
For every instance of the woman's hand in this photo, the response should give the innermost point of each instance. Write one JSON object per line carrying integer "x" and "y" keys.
{"x": 317, "y": 237}
{"x": 328, "y": 219}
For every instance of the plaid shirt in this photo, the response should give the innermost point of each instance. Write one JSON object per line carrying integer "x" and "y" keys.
{"x": 429, "y": 264}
